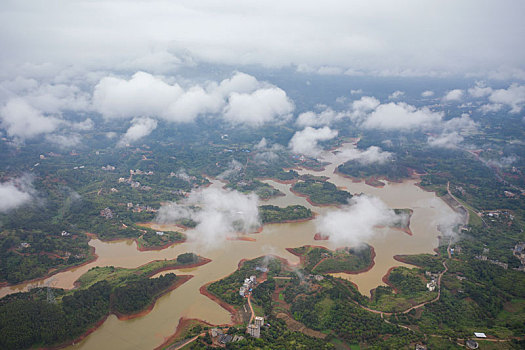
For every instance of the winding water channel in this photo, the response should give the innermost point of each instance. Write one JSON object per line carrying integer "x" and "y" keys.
{"x": 151, "y": 330}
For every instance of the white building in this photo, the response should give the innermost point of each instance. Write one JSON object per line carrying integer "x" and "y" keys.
{"x": 431, "y": 286}
{"x": 254, "y": 331}
{"x": 259, "y": 321}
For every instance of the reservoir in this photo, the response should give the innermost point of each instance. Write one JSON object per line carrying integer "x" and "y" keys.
{"x": 151, "y": 330}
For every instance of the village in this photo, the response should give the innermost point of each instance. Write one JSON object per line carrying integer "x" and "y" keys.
{"x": 220, "y": 336}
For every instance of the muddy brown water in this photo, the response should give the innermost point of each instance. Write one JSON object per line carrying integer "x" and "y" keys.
{"x": 151, "y": 330}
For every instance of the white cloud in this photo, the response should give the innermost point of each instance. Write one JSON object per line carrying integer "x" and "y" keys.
{"x": 354, "y": 224}
{"x": 325, "y": 117}
{"x": 454, "y": 95}
{"x": 259, "y": 107}
{"x": 142, "y": 95}
{"x": 491, "y": 108}
{"x": 219, "y": 213}
{"x": 459, "y": 37}
{"x": 306, "y": 141}
{"x": 85, "y": 125}
{"x": 356, "y": 91}
{"x": 15, "y": 193}
{"x": 265, "y": 153}
{"x": 513, "y": 96}
{"x": 372, "y": 154}
{"x": 140, "y": 127}
{"x": 361, "y": 107}
{"x": 396, "y": 94}
{"x": 480, "y": 90}
{"x": 64, "y": 141}
{"x": 22, "y": 121}
{"x": 401, "y": 116}
{"x": 241, "y": 99}
{"x": 233, "y": 169}
{"x": 427, "y": 93}
{"x": 446, "y": 140}
{"x": 463, "y": 124}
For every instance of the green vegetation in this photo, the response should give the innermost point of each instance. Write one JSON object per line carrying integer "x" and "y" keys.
{"x": 277, "y": 336}
{"x": 392, "y": 171}
{"x": 322, "y": 192}
{"x": 321, "y": 260}
{"x": 27, "y": 319}
{"x": 263, "y": 190}
{"x": 187, "y": 258}
{"x": 327, "y": 306}
{"x": 275, "y": 214}
{"x": 410, "y": 287}
{"x": 227, "y": 289}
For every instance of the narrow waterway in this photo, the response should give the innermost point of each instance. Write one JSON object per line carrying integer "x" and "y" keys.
{"x": 151, "y": 330}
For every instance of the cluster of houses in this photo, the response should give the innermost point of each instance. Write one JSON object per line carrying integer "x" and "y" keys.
{"x": 106, "y": 213}
{"x": 483, "y": 257}
{"x": 137, "y": 208}
{"x": 519, "y": 252}
{"x": 432, "y": 285}
{"x": 247, "y": 286}
{"x": 219, "y": 337}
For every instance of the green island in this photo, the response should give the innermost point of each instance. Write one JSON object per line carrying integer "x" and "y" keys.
{"x": 38, "y": 318}
{"x": 261, "y": 189}
{"x": 275, "y": 214}
{"x": 322, "y": 260}
{"x": 391, "y": 171}
{"x": 321, "y": 192}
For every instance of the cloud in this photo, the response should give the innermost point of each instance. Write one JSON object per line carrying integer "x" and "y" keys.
{"x": 452, "y": 132}
{"x": 358, "y": 38}
{"x": 356, "y": 91}
{"x": 67, "y": 141}
{"x": 504, "y": 162}
{"x": 491, "y": 108}
{"x": 219, "y": 213}
{"x": 22, "y": 121}
{"x": 396, "y": 94}
{"x": 85, "y": 125}
{"x": 241, "y": 99}
{"x": 401, "y": 116}
{"x": 259, "y": 107}
{"x": 480, "y": 90}
{"x": 446, "y": 140}
{"x": 427, "y": 93}
{"x": 306, "y": 141}
{"x": 142, "y": 95}
{"x": 265, "y": 153}
{"x": 234, "y": 168}
{"x": 513, "y": 96}
{"x": 454, "y": 95}
{"x": 463, "y": 124}
{"x": 48, "y": 96}
{"x": 361, "y": 107}
{"x": 140, "y": 127}
{"x": 325, "y": 117}
{"x": 354, "y": 224}
{"x": 372, "y": 154}
{"x": 15, "y": 193}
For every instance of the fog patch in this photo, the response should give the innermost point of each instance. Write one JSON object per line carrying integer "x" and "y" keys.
{"x": 371, "y": 155}
{"x": 140, "y": 127}
{"x": 306, "y": 141}
{"x": 354, "y": 224}
{"x": 234, "y": 168}
{"x": 22, "y": 121}
{"x": 16, "y": 192}
{"x": 219, "y": 214}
